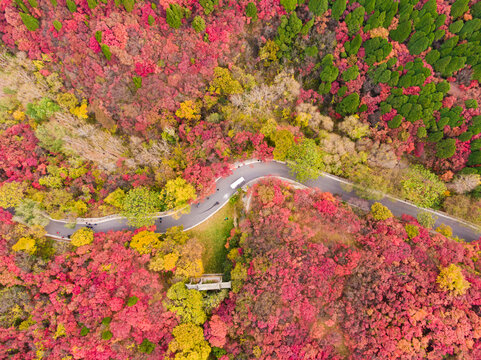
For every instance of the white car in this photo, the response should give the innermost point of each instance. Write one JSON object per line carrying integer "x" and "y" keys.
{"x": 236, "y": 183}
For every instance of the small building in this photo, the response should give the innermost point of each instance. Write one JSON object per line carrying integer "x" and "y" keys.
{"x": 208, "y": 282}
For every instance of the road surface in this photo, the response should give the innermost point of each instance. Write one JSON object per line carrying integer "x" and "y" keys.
{"x": 251, "y": 172}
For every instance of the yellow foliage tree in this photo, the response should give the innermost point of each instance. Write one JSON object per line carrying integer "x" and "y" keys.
{"x": 189, "y": 110}
{"x": 26, "y": 244}
{"x": 452, "y": 279}
{"x": 145, "y": 241}
{"x": 11, "y": 194}
{"x": 380, "y": 212}
{"x": 164, "y": 262}
{"x": 189, "y": 343}
{"x": 82, "y": 236}
{"x": 116, "y": 198}
{"x": 80, "y": 111}
{"x": 178, "y": 193}
{"x": 445, "y": 230}
{"x": 223, "y": 82}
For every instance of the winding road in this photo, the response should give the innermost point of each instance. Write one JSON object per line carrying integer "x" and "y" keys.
{"x": 254, "y": 170}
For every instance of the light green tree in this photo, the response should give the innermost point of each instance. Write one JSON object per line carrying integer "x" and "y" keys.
{"x": 139, "y": 205}
{"x": 30, "y": 213}
{"x": 422, "y": 187}
{"x": 306, "y": 160}
{"x": 187, "y": 303}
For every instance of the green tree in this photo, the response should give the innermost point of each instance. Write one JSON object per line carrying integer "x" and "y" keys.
{"x": 289, "y": 5}
{"x": 29, "y": 21}
{"x": 198, "y": 24}
{"x": 174, "y": 16}
{"x": 446, "y": 148}
{"x": 306, "y": 160}
{"x": 422, "y": 187}
{"x": 349, "y": 104}
{"x": 251, "y": 11}
{"x": 139, "y": 205}
{"x": 354, "y": 20}
{"x": 459, "y": 8}
{"x": 338, "y": 9}
{"x": 106, "y": 51}
{"x": 318, "y": 7}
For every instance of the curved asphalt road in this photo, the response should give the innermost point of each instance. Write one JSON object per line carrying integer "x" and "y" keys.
{"x": 255, "y": 170}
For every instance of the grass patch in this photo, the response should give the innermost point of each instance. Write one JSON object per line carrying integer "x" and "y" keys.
{"x": 213, "y": 233}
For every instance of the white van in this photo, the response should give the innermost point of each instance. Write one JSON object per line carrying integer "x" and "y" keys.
{"x": 237, "y": 183}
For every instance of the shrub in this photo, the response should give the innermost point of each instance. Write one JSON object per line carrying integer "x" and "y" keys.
{"x": 199, "y": 24}
{"x": 82, "y": 236}
{"x": 445, "y": 230}
{"x": 452, "y": 279}
{"x": 380, "y": 212}
{"x": 311, "y": 51}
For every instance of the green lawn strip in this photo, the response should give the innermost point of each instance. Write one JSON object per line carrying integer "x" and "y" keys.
{"x": 213, "y": 234}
